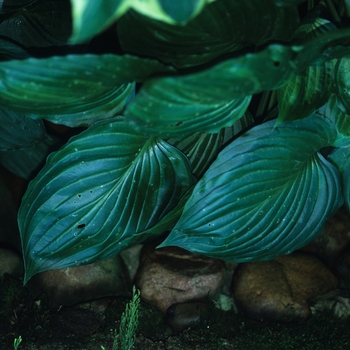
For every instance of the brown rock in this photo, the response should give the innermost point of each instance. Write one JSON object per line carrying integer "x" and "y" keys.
{"x": 182, "y": 315}
{"x": 261, "y": 291}
{"x": 307, "y": 275}
{"x": 173, "y": 275}
{"x": 11, "y": 263}
{"x": 279, "y": 289}
{"x": 69, "y": 286}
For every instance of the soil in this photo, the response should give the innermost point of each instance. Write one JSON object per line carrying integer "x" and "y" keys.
{"x": 92, "y": 325}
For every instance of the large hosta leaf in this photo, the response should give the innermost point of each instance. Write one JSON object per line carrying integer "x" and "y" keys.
{"x": 207, "y": 101}
{"x": 341, "y": 157}
{"x": 91, "y": 17}
{"x": 17, "y": 131}
{"x": 95, "y": 194}
{"x": 44, "y": 23}
{"x": 304, "y": 94}
{"x": 267, "y": 194}
{"x": 73, "y": 90}
{"x": 221, "y": 27}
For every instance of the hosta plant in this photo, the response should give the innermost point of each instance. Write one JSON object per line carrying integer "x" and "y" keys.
{"x": 223, "y": 124}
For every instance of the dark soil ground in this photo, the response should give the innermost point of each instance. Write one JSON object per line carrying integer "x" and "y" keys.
{"x": 92, "y": 325}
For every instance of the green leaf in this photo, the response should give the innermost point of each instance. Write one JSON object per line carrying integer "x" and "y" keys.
{"x": 341, "y": 157}
{"x": 340, "y": 120}
{"x": 17, "y": 131}
{"x": 168, "y": 221}
{"x": 95, "y": 194}
{"x": 288, "y": 2}
{"x": 91, "y": 17}
{"x": 202, "y": 148}
{"x": 334, "y": 44}
{"x": 14, "y": 5}
{"x": 303, "y": 95}
{"x": 342, "y": 84}
{"x": 165, "y": 42}
{"x": 73, "y": 90}
{"x": 223, "y": 26}
{"x": 268, "y": 193}
{"x": 211, "y": 99}
{"x": 27, "y": 162}
{"x": 44, "y": 23}
{"x": 312, "y": 29}
{"x": 10, "y": 50}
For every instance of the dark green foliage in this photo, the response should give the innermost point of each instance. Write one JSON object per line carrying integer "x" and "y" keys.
{"x": 177, "y": 138}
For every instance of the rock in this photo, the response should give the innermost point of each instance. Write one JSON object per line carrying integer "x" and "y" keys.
{"x": 173, "y": 275}
{"x": 337, "y": 301}
{"x": 10, "y": 263}
{"x": 182, "y": 315}
{"x": 307, "y": 275}
{"x": 334, "y": 240}
{"x": 279, "y": 289}
{"x": 342, "y": 266}
{"x": 69, "y": 286}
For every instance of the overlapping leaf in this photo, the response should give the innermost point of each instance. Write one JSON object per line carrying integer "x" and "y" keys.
{"x": 307, "y": 92}
{"x": 44, "y": 23}
{"x": 202, "y": 148}
{"x": 268, "y": 193}
{"x": 211, "y": 99}
{"x": 91, "y": 17}
{"x": 10, "y": 50}
{"x": 312, "y": 29}
{"x": 340, "y": 120}
{"x": 95, "y": 194}
{"x": 221, "y": 27}
{"x": 304, "y": 94}
{"x": 75, "y": 89}
{"x": 342, "y": 83}
{"x": 334, "y": 44}
{"x": 17, "y": 131}
{"x": 14, "y": 5}
{"x": 27, "y": 162}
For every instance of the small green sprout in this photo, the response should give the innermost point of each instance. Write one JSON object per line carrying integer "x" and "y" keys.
{"x": 128, "y": 324}
{"x": 16, "y": 342}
